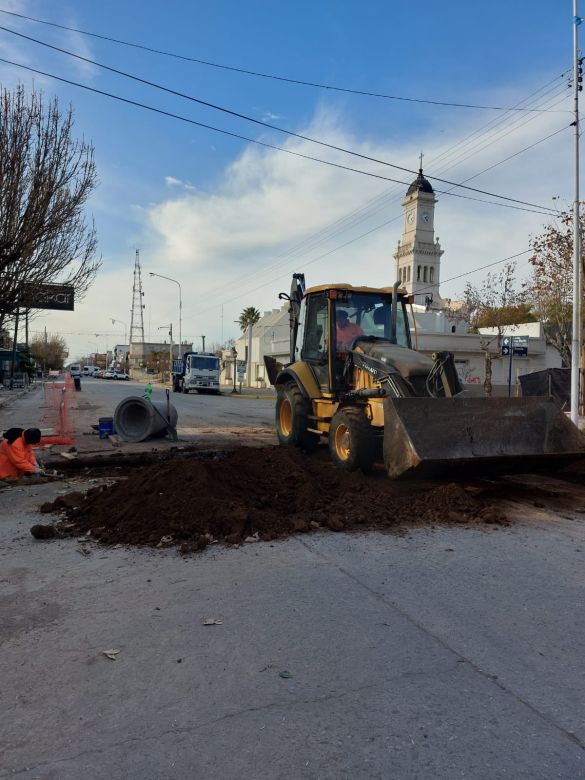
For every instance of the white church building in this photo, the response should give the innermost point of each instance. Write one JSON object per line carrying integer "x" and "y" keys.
{"x": 417, "y": 265}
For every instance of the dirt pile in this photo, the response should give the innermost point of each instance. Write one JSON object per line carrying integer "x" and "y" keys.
{"x": 255, "y": 493}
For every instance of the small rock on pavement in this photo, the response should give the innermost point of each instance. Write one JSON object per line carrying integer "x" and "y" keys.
{"x": 43, "y": 531}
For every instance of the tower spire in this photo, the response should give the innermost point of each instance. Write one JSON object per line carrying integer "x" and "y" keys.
{"x": 137, "y": 316}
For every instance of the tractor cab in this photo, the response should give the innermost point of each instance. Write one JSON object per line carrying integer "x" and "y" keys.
{"x": 333, "y": 320}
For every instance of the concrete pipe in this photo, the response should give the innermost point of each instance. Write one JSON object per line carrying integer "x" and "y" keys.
{"x": 137, "y": 419}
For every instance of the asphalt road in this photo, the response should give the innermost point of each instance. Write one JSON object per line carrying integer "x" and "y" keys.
{"x": 443, "y": 653}
{"x": 194, "y": 409}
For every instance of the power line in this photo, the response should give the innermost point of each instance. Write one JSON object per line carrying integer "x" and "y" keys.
{"x": 268, "y": 125}
{"x": 536, "y": 209}
{"x": 245, "y": 71}
{"x": 480, "y": 268}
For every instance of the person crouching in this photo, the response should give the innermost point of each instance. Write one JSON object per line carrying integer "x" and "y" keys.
{"x": 17, "y": 458}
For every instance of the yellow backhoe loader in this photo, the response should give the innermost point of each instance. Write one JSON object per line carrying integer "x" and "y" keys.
{"x": 354, "y": 378}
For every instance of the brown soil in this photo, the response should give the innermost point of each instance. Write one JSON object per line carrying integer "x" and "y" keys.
{"x": 258, "y": 493}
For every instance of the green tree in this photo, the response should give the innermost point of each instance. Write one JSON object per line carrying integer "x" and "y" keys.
{"x": 249, "y": 316}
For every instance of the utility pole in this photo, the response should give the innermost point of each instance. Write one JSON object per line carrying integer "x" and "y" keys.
{"x": 171, "y": 355}
{"x": 577, "y": 335}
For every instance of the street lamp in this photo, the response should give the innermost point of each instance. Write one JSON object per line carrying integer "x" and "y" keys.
{"x": 168, "y": 278}
{"x": 235, "y": 357}
{"x": 113, "y": 321}
{"x": 170, "y": 327}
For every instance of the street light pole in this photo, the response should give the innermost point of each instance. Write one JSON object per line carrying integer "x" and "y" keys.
{"x": 235, "y": 356}
{"x": 121, "y": 322}
{"x": 175, "y": 281}
{"x": 170, "y": 327}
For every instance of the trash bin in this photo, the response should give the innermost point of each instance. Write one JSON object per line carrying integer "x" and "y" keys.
{"x": 105, "y": 427}
{"x": 77, "y": 382}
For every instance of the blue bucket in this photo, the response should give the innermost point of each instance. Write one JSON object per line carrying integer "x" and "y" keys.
{"x": 105, "y": 427}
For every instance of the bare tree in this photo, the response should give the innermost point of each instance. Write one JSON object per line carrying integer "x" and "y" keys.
{"x": 46, "y": 177}
{"x": 49, "y": 351}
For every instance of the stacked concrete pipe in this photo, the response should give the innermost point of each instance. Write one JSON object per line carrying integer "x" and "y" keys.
{"x": 137, "y": 419}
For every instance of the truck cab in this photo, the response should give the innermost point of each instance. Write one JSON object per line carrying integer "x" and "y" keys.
{"x": 196, "y": 371}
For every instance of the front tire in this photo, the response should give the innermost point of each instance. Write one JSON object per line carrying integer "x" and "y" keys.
{"x": 292, "y": 418}
{"x": 352, "y": 444}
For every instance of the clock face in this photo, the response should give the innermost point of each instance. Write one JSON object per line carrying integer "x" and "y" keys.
{"x": 426, "y": 216}
{"x": 410, "y": 217}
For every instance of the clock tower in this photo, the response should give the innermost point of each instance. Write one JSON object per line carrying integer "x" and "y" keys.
{"x": 418, "y": 257}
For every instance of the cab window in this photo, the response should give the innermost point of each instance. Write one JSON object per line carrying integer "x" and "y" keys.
{"x": 315, "y": 337}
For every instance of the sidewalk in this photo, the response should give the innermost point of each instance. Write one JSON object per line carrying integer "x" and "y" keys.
{"x": 11, "y": 395}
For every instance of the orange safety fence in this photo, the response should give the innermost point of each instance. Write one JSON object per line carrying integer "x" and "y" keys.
{"x": 57, "y": 416}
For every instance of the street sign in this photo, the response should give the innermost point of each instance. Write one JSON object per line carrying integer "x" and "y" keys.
{"x": 60, "y": 297}
{"x": 515, "y": 345}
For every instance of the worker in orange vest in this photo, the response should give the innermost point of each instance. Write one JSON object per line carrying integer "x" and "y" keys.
{"x": 346, "y": 331}
{"x": 17, "y": 458}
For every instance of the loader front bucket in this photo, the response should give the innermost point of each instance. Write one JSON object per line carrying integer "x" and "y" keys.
{"x": 433, "y": 437}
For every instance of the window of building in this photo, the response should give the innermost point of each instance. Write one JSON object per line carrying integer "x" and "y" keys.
{"x": 431, "y": 274}
{"x": 418, "y": 273}
{"x": 425, "y": 274}
{"x": 408, "y": 274}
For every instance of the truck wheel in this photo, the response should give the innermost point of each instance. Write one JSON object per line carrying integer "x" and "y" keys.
{"x": 351, "y": 440}
{"x": 292, "y": 418}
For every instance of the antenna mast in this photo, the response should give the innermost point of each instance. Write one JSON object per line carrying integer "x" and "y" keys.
{"x": 137, "y": 316}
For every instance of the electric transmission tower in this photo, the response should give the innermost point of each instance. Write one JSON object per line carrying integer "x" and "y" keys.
{"x": 137, "y": 318}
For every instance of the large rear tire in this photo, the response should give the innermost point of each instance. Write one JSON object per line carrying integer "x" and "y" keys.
{"x": 352, "y": 443}
{"x": 292, "y": 418}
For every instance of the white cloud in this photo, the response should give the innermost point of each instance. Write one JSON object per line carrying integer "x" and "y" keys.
{"x": 170, "y": 181}
{"x": 79, "y": 44}
{"x": 268, "y": 116}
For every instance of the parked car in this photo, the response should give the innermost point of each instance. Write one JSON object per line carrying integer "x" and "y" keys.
{"x": 121, "y": 375}
{"x": 109, "y": 374}
{"x": 100, "y": 373}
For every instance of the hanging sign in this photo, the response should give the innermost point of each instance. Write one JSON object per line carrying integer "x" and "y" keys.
{"x": 60, "y": 297}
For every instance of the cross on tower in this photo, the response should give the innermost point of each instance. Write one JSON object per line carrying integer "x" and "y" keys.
{"x": 421, "y": 159}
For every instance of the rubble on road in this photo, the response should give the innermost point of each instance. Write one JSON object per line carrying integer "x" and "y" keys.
{"x": 258, "y": 494}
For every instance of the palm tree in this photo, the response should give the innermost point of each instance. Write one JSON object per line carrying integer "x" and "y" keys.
{"x": 249, "y": 316}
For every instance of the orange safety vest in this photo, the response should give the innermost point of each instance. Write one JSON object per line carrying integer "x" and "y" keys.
{"x": 17, "y": 459}
{"x": 346, "y": 335}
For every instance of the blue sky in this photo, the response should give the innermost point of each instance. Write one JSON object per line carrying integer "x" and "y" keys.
{"x": 223, "y": 216}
